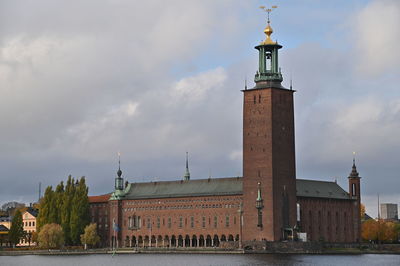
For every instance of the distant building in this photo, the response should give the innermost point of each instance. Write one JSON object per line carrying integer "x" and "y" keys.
{"x": 389, "y": 211}
{"x": 29, "y": 223}
{"x": 3, "y": 235}
{"x": 5, "y": 221}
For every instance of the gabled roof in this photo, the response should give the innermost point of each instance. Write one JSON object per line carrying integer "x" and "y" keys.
{"x": 33, "y": 212}
{"x": 99, "y": 199}
{"x": 320, "y": 189}
{"x": 187, "y": 188}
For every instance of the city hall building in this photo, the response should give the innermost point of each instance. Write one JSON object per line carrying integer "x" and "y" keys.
{"x": 267, "y": 204}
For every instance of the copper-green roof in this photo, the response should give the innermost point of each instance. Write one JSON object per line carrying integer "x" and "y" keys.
{"x": 224, "y": 186}
{"x": 187, "y": 188}
{"x": 320, "y": 189}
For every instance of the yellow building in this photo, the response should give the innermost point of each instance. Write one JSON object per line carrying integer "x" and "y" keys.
{"x": 29, "y": 223}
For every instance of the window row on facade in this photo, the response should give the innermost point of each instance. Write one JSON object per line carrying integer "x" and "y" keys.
{"x": 136, "y": 222}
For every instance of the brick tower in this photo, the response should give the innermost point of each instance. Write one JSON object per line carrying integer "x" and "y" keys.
{"x": 269, "y": 171}
{"x": 355, "y": 193}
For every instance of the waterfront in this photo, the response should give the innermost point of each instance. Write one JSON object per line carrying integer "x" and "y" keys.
{"x": 200, "y": 259}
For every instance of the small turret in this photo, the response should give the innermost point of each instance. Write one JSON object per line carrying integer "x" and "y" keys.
{"x": 119, "y": 181}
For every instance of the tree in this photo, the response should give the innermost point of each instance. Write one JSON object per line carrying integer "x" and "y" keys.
{"x": 66, "y": 209}
{"x": 362, "y": 210}
{"x": 380, "y": 231}
{"x": 51, "y": 236}
{"x": 48, "y": 210}
{"x": 17, "y": 228}
{"x": 90, "y": 237}
{"x": 59, "y": 198}
{"x": 80, "y": 211}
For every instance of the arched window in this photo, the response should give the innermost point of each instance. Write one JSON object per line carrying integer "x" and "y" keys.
{"x": 353, "y": 189}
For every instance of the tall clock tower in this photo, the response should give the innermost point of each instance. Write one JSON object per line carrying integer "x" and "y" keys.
{"x": 269, "y": 170}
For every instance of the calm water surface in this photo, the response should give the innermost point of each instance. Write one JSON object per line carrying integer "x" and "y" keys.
{"x": 201, "y": 260}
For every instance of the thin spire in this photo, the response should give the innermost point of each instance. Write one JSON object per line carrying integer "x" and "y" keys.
{"x": 291, "y": 83}
{"x": 245, "y": 83}
{"x": 119, "y": 172}
{"x": 119, "y": 161}
{"x": 379, "y": 213}
{"x": 187, "y": 173}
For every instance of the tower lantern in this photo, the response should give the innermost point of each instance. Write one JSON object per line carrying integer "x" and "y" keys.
{"x": 268, "y": 67}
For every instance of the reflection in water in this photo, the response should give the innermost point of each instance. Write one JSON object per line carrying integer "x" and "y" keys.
{"x": 202, "y": 260}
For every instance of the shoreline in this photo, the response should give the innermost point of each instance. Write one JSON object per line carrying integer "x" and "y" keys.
{"x": 348, "y": 251}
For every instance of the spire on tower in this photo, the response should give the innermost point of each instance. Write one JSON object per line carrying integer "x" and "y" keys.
{"x": 354, "y": 173}
{"x": 119, "y": 172}
{"x": 268, "y": 30}
{"x": 187, "y": 173}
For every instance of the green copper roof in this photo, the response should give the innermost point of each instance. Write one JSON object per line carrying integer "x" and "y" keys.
{"x": 224, "y": 186}
{"x": 320, "y": 189}
{"x": 197, "y": 187}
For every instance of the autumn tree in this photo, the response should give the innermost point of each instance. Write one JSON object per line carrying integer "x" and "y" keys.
{"x": 362, "y": 210}
{"x": 51, "y": 236}
{"x": 17, "y": 228}
{"x": 379, "y": 231}
{"x": 90, "y": 236}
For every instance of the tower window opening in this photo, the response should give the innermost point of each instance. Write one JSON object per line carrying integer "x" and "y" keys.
{"x": 353, "y": 189}
{"x": 255, "y": 99}
{"x": 268, "y": 61}
{"x": 259, "y": 98}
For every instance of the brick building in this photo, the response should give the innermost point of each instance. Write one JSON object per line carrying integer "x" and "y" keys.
{"x": 267, "y": 203}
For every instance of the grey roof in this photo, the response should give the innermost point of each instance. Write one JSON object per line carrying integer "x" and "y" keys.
{"x": 225, "y": 186}
{"x": 33, "y": 212}
{"x": 320, "y": 189}
{"x": 3, "y": 228}
{"x": 5, "y": 219}
{"x": 194, "y": 187}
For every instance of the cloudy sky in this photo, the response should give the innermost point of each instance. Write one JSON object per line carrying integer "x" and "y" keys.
{"x": 82, "y": 80}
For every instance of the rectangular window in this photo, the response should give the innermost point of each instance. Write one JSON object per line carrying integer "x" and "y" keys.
{"x": 169, "y": 222}
{"x": 148, "y": 223}
{"x": 215, "y": 221}
{"x": 158, "y": 222}
{"x": 227, "y": 221}
{"x": 204, "y": 222}
{"x": 180, "y": 222}
{"x": 192, "y": 221}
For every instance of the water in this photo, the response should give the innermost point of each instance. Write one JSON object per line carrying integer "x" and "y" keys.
{"x": 201, "y": 260}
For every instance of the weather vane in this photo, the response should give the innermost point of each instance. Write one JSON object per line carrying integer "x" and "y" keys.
{"x": 268, "y": 30}
{"x": 268, "y": 10}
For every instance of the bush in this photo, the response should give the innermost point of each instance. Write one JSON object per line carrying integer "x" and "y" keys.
{"x": 51, "y": 236}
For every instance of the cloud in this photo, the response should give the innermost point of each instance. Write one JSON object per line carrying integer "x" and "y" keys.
{"x": 190, "y": 90}
{"x": 376, "y": 37}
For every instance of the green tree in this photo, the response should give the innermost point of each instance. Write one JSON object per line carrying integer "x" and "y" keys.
{"x": 59, "y": 198}
{"x": 90, "y": 237}
{"x": 48, "y": 211}
{"x": 80, "y": 211}
{"x": 51, "y": 236}
{"x": 17, "y": 229}
{"x": 69, "y": 193}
